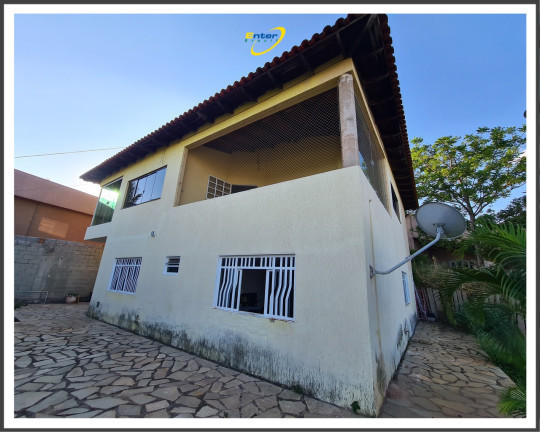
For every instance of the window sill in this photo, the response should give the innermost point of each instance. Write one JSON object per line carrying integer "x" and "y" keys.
{"x": 272, "y": 319}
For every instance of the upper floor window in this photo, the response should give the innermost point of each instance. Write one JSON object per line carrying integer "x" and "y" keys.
{"x": 217, "y": 187}
{"x": 107, "y": 202}
{"x": 145, "y": 188}
{"x": 395, "y": 202}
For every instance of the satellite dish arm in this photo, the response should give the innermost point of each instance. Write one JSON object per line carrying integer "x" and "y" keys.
{"x": 440, "y": 232}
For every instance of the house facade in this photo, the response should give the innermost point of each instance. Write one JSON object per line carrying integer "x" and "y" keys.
{"x": 243, "y": 230}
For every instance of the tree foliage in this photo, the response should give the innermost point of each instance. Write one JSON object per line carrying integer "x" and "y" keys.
{"x": 515, "y": 212}
{"x": 471, "y": 172}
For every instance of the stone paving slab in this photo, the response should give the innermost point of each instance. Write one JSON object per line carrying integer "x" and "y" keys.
{"x": 444, "y": 374}
{"x": 69, "y": 365}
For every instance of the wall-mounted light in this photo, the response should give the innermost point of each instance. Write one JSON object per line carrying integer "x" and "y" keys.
{"x": 153, "y": 233}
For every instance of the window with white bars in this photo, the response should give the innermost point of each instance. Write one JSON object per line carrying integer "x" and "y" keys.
{"x": 217, "y": 187}
{"x": 261, "y": 284}
{"x": 125, "y": 275}
{"x": 172, "y": 265}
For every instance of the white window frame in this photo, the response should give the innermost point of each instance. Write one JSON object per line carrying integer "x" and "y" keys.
{"x": 279, "y": 286}
{"x": 406, "y": 290}
{"x": 174, "y": 265}
{"x": 125, "y": 273}
{"x": 217, "y": 190}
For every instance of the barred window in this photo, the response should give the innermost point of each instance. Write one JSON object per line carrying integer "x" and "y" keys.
{"x": 125, "y": 275}
{"x": 261, "y": 284}
{"x": 217, "y": 187}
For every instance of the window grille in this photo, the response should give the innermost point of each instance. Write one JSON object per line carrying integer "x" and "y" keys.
{"x": 262, "y": 284}
{"x": 372, "y": 159}
{"x": 217, "y": 187}
{"x": 406, "y": 292}
{"x": 145, "y": 188}
{"x": 172, "y": 265}
{"x": 298, "y": 141}
{"x": 125, "y": 275}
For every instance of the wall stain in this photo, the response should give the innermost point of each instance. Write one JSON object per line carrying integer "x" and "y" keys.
{"x": 237, "y": 352}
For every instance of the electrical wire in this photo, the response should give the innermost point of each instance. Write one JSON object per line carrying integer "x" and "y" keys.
{"x": 63, "y": 153}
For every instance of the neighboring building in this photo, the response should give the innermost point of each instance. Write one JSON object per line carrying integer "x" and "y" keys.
{"x": 50, "y": 210}
{"x": 51, "y": 256}
{"x": 243, "y": 230}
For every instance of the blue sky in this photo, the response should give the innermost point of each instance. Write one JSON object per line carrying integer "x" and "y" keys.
{"x": 104, "y": 81}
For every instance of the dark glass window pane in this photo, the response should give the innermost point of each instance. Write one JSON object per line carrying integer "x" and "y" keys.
{"x": 107, "y": 203}
{"x": 145, "y": 188}
{"x": 147, "y": 192}
{"x": 158, "y": 184}
{"x": 140, "y": 190}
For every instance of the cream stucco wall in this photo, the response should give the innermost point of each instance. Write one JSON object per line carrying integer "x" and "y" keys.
{"x": 349, "y": 330}
{"x": 322, "y": 350}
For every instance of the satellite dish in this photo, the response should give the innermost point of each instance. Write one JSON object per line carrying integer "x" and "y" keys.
{"x": 432, "y": 215}
{"x": 436, "y": 219}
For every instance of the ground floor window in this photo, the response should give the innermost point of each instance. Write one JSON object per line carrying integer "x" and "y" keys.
{"x": 261, "y": 284}
{"x": 125, "y": 275}
{"x": 172, "y": 265}
{"x": 406, "y": 292}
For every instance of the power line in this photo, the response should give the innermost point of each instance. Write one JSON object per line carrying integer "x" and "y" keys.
{"x": 63, "y": 153}
{"x": 52, "y": 187}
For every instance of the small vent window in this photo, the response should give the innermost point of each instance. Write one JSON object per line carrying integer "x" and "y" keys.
{"x": 172, "y": 265}
{"x": 125, "y": 275}
{"x": 262, "y": 284}
{"x": 217, "y": 188}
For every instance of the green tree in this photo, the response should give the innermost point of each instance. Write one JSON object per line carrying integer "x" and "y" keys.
{"x": 471, "y": 172}
{"x": 515, "y": 212}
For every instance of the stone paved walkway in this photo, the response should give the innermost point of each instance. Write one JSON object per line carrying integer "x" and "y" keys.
{"x": 444, "y": 374}
{"x": 69, "y": 365}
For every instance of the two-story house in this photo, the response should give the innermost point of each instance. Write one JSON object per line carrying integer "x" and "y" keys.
{"x": 243, "y": 230}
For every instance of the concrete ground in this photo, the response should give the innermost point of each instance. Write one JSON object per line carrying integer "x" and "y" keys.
{"x": 444, "y": 374}
{"x": 69, "y": 365}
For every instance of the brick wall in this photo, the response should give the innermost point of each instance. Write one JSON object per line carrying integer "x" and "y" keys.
{"x": 56, "y": 266}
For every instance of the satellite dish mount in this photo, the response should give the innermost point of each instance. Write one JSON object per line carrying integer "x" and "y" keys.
{"x": 436, "y": 219}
